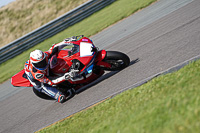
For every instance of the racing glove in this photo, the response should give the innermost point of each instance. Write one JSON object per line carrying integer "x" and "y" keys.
{"x": 66, "y": 76}
{"x": 71, "y": 74}
{"x": 73, "y": 38}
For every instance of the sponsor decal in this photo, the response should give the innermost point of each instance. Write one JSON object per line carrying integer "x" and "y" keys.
{"x": 30, "y": 76}
{"x": 39, "y": 76}
{"x": 51, "y": 92}
{"x": 85, "y": 40}
{"x": 48, "y": 91}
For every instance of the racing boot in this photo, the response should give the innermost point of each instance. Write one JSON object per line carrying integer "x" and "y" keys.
{"x": 62, "y": 97}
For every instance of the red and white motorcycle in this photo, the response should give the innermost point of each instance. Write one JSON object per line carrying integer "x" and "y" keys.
{"x": 80, "y": 55}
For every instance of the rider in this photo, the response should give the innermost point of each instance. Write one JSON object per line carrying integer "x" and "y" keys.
{"x": 37, "y": 71}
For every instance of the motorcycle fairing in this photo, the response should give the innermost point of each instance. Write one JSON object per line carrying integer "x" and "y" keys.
{"x": 83, "y": 53}
{"x": 90, "y": 77}
{"x": 101, "y": 55}
{"x": 59, "y": 65}
{"x": 20, "y": 80}
{"x": 63, "y": 60}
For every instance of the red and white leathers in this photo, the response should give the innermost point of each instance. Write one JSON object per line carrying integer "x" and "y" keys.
{"x": 41, "y": 74}
{"x": 39, "y": 77}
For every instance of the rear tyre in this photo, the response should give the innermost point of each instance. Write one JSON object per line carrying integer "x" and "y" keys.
{"x": 118, "y": 60}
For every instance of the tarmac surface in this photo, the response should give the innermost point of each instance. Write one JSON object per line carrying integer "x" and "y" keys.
{"x": 157, "y": 38}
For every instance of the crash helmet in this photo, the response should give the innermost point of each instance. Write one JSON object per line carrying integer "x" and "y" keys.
{"x": 39, "y": 60}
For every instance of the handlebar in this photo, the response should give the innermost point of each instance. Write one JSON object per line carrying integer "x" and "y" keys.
{"x": 74, "y": 38}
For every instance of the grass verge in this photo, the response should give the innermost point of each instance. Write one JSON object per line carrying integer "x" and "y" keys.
{"x": 89, "y": 26}
{"x": 167, "y": 104}
{"x": 23, "y": 16}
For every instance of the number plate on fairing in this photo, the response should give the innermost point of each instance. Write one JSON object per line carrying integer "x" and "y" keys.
{"x": 86, "y": 49}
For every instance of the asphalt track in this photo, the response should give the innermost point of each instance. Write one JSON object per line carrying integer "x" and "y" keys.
{"x": 157, "y": 38}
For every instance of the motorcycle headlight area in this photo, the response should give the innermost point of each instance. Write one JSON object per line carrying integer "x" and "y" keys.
{"x": 86, "y": 49}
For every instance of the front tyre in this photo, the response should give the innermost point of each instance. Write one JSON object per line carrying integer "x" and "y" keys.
{"x": 118, "y": 60}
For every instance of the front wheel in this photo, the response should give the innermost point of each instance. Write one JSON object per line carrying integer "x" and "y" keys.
{"x": 117, "y": 60}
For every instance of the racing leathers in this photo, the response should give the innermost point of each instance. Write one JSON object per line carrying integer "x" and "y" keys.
{"x": 40, "y": 78}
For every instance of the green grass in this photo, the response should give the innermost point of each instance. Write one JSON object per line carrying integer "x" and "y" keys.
{"x": 167, "y": 104}
{"x": 23, "y": 16}
{"x": 90, "y": 26}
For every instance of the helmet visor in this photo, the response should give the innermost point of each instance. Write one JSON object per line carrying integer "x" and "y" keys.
{"x": 42, "y": 65}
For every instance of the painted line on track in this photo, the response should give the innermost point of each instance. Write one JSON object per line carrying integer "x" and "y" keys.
{"x": 169, "y": 70}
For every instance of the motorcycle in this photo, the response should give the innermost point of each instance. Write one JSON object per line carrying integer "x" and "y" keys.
{"x": 80, "y": 54}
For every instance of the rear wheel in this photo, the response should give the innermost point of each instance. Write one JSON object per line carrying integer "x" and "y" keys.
{"x": 117, "y": 60}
